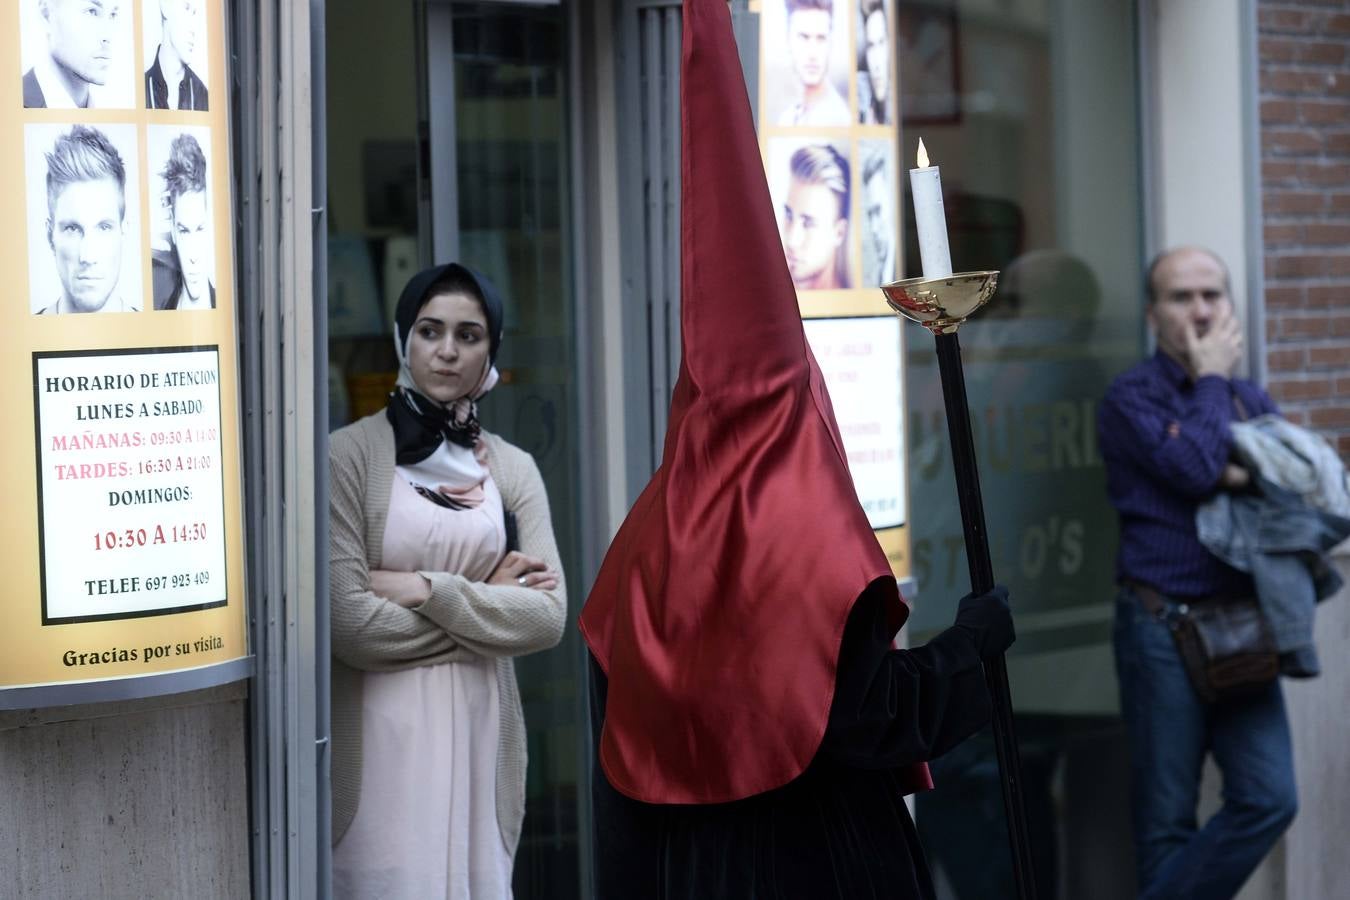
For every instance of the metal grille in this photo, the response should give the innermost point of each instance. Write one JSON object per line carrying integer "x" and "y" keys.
{"x": 659, "y": 29}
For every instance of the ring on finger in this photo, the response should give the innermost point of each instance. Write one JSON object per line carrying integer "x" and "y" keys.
{"x": 521, "y": 581}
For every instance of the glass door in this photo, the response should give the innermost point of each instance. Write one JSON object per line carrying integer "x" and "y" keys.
{"x": 1032, "y": 112}
{"x": 450, "y": 142}
{"x": 512, "y": 201}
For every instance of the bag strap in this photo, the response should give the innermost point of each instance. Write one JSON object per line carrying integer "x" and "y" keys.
{"x": 1239, "y": 406}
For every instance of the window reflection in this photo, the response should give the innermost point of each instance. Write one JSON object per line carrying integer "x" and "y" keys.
{"x": 1031, "y": 112}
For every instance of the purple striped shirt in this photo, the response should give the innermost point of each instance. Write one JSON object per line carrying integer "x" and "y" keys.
{"x": 1165, "y": 441}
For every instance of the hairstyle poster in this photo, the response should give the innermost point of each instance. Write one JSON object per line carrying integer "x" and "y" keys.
{"x": 124, "y": 551}
{"x": 828, "y": 134}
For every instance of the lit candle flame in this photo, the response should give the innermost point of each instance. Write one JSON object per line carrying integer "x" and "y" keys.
{"x": 923, "y": 155}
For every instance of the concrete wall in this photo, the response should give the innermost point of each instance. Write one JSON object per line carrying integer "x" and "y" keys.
{"x": 141, "y": 799}
{"x": 1310, "y": 863}
{"x": 1199, "y": 153}
{"x": 1315, "y": 862}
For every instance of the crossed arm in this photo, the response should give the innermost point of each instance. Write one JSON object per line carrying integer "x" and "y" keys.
{"x": 435, "y": 617}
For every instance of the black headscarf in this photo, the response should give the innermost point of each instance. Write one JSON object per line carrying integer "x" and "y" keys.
{"x": 420, "y": 423}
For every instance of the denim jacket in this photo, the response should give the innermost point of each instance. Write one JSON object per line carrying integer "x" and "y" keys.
{"x": 1296, "y": 459}
{"x": 1282, "y": 541}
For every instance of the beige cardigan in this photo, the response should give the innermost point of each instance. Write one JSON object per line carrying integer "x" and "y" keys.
{"x": 461, "y": 620}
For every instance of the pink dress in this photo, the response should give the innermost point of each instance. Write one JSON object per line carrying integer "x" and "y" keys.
{"x": 426, "y": 822}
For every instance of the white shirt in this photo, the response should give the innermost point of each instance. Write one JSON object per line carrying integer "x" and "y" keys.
{"x": 828, "y": 112}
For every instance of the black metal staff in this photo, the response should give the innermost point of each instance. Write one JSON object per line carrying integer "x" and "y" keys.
{"x": 941, "y": 305}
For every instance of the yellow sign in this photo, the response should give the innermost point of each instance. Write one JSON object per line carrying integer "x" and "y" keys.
{"x": 119, "y": 377}
{"x": 828, "y": 134}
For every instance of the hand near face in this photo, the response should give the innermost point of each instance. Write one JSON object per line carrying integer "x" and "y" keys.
{"x": 1217, "y": 351}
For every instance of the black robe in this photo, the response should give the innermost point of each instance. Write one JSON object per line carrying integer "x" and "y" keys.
{"x": 841, "y": 828}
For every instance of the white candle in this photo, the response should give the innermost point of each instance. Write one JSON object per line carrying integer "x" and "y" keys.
{"x": 930, "y": 219}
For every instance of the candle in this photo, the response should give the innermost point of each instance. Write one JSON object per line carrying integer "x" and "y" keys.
{"x": 930, "y": 219}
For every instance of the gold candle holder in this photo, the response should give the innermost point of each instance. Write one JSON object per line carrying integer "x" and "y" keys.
{"x": 941, "y": 305}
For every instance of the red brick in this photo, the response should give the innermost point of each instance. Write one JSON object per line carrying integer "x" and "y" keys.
{"x": 1295, "y": 391}
{"x": 1329, "y": 357}
{"x": 1283, "y": 81}
{"x": 1339, "y": 202}
{"x": 1290, "y": 233}
{"x": 1293, "y": 202}
{"x": 1319, "y": 325}
{"x": 1336, "y": 24}
{"x": 1343, "y": 387}
{"x": 1289, "y": 296}
{"x": 1298, "y": 266}
{"x": 1327, "y": 295}
{"x": 1338, "y": 265}
{"x": 1272, "y": 329}
{"x": 1295, "y": 415}
{"x": 1302, "y": 4}
{"x": 1330, "y": 417}
{"x": 1319, "y": 112}
{"x": 1325, "y": 174}
{"x": 1315, "y": 84}
{"x": 1278, "y": 50}
{"x": 1279, "y": 112}
{"x": 1301, "y": 142}
{"x": 1279, "y": 170}
{"x": 1326, "y": 233}
{"x": 1286, "y": 20}
{"x": 1303, "y": 326}
{"x": 1320, "y": 53}
{"x": 1343, "y": 446}
{"x": 1292, "y": 359}
{"x": 1338, "y": 142}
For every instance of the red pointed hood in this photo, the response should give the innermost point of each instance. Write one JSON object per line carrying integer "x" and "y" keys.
{"x": 720, "y": 607}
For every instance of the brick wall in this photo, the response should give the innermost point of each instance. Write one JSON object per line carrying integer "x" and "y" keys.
{"x": 1305, "y": 166}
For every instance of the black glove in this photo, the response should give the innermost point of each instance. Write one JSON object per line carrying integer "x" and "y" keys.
{"x": 987, "y": 620}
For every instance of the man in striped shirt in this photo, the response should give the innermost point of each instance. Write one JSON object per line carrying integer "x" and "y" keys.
{"x": 1164, "y": 434}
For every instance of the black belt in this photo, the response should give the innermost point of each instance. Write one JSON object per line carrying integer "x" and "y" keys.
{"x": 1155, "y": 604}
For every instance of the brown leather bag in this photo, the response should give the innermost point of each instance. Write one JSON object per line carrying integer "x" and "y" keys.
{"x": 1226, "y": 644}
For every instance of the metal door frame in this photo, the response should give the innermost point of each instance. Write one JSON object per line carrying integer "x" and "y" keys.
{"x": 278, "y": 133}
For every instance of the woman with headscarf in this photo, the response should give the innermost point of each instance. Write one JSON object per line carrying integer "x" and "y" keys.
{"x": 429, "y": 605}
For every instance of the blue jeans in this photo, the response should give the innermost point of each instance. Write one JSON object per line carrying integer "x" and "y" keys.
{"x": 1170, "y": 731}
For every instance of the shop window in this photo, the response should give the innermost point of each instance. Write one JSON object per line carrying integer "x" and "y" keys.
{"x": 1031, "y": 110}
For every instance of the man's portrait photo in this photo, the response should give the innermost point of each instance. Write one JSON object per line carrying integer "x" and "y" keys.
{"x": 806, "y": 62}
{"x": 877, "y": 163}
{"x": 182, "y": 242}
{"x": 876, "y": 95}
{"x": 83, "y": 228}
{"x": 174, "y": 42}
{"x": 810, "y": 184}
{"x": 76, "y": 54}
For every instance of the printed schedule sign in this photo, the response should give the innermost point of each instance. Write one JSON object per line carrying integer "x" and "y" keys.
{"x": 120, "y": 455}
{"x": 129, "y": 478}
{"x": 860, "y": 359}
{"x": 828, "y": 130}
